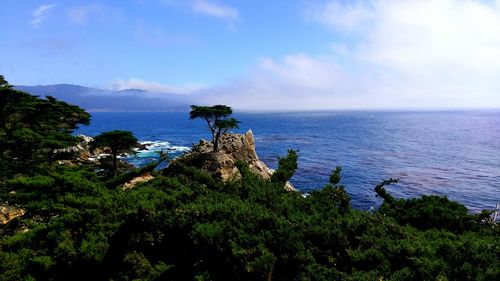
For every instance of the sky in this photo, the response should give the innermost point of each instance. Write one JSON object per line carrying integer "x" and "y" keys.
{"x": 261, "y": 54}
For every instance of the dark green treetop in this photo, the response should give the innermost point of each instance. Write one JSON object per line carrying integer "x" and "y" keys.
{"x": 118, "y": 141}
{"x": 3, "y": 82}
{"x": 337, "y": 191}
{"x": 286, "y": 167}
{"x": 217, "y": 120}
{"x": 32, "y": 127}
{"x": 335, "y": 176}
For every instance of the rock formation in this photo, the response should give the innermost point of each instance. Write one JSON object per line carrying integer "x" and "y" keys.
{"x": 135, "y": 181}
{"x": 232, "y": 148}
{"x": 8, "y": 213}
{"x": 81, "y": 152}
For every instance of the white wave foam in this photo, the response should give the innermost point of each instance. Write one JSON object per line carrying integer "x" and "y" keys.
{"x": 153, "y": 147}
{"x": 181, "y": 148}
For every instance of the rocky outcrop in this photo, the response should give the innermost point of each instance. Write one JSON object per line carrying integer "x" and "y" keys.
{"x": 135, "y": 181}
{"x": 81, "y": 152}
{"x": 8, "y": 213}
{"x": 232, "y": 148}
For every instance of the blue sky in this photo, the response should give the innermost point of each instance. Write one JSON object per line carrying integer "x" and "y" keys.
{"x": 260, "y": 54}
{"x": 93, "y": 43}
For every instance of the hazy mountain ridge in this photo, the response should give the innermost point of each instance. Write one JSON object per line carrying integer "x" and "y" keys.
{"x": 94, "y": 99}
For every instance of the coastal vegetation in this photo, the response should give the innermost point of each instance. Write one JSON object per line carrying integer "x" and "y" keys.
{"x": 191, "y": 225}
{"x": 31, "y": 128}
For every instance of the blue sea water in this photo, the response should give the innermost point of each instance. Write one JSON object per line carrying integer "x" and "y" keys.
{"x": 453, "y": 153}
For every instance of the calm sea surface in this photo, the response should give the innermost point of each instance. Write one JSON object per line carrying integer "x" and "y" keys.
{"x": 453, "y": 153}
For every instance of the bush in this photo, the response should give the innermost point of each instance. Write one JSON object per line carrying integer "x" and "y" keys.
{"x": 189, "y": 225}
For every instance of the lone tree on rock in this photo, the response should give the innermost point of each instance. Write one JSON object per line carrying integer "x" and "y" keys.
{"x": 118, "y": 141}
{"x": 217, "y": 118}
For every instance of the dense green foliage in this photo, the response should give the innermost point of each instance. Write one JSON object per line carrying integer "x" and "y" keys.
{"x": 193, "y": 226}
{"x": 118, "y": 141}
{"x": 286, "y": 167}
{"x": 31, "y": 128}
{"x": 217, "y": 118}
{"x": 428, "y": 212}
{"x": 129, "y": 175}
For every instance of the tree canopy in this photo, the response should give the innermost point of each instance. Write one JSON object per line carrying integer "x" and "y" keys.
{"x": 32, "y": 127}
{"x": 217, "y": 118}
{"x": 3, "y": 82}
{"x": 286, "y": 167}
{"x": 118, "y": 141}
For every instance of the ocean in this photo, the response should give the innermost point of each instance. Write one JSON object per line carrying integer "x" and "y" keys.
{"x": 452, "y": 153}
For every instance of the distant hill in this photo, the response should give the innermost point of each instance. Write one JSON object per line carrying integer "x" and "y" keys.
{"x": 93, "y": 99}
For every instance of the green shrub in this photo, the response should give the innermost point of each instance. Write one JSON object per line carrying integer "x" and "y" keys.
{"x": 189, "y": 225}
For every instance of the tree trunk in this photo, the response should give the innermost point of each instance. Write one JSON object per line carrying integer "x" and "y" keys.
{"x": 216, "y": 141}
{"x": 212, "y": 129}
{"x": 115, "y": 166}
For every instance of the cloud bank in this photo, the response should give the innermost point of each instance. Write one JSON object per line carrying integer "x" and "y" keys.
{"x": 415, "y": 53}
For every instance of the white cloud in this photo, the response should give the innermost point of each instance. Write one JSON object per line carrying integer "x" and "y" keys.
{"x": 40, "y": 14}
{"x": 385, "y": 53}
{"x": 217, "y": 10}
{"x": 153, "y": 87}
{"x": 341, "y": 16}
{"x": 409, "y": 34}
